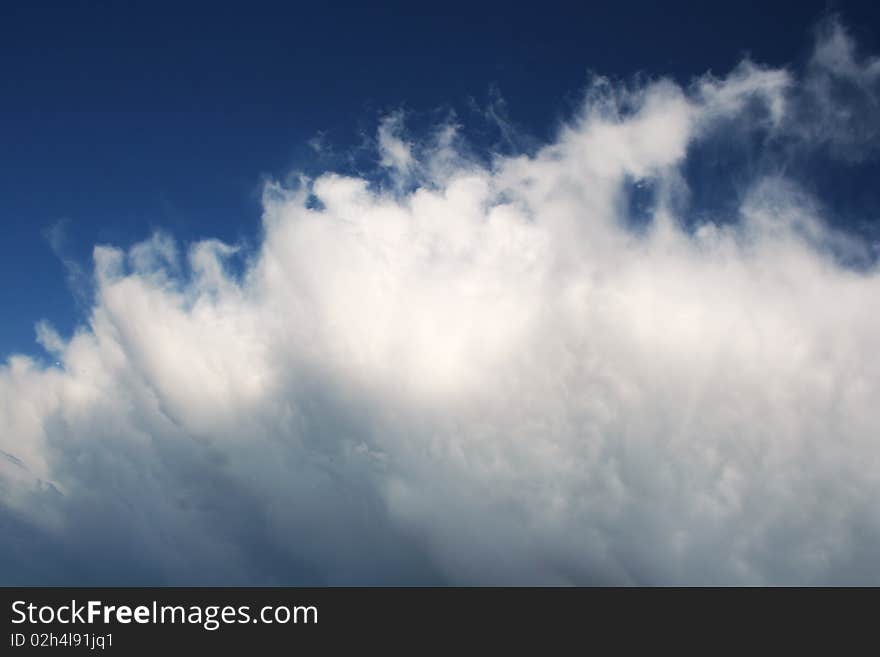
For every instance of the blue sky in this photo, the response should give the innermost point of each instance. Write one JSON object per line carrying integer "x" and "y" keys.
{"x": 475, "y": 294}
{"x": 121, "y": 118}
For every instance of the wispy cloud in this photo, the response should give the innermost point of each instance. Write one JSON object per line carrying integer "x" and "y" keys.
{"x": 78, "y": 278}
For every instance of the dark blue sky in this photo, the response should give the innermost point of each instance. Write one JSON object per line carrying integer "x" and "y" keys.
{"x": 120, "y": 118}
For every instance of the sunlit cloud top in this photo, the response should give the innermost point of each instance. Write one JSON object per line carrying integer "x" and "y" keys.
{"x": 477, "y": 367}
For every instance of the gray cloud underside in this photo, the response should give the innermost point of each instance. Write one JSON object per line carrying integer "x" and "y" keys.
{"x": 479, "y": 373}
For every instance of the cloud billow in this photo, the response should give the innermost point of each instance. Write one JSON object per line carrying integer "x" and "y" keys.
{"x": 477, "y": 372}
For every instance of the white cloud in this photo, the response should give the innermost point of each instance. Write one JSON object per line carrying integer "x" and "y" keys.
{"x": 840, "y": 95}
{"x": 395, "y": 153}
{"x": 485, "y": 379}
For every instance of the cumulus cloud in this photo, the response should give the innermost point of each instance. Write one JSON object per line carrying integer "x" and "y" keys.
{"x": 479, "y": 375}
